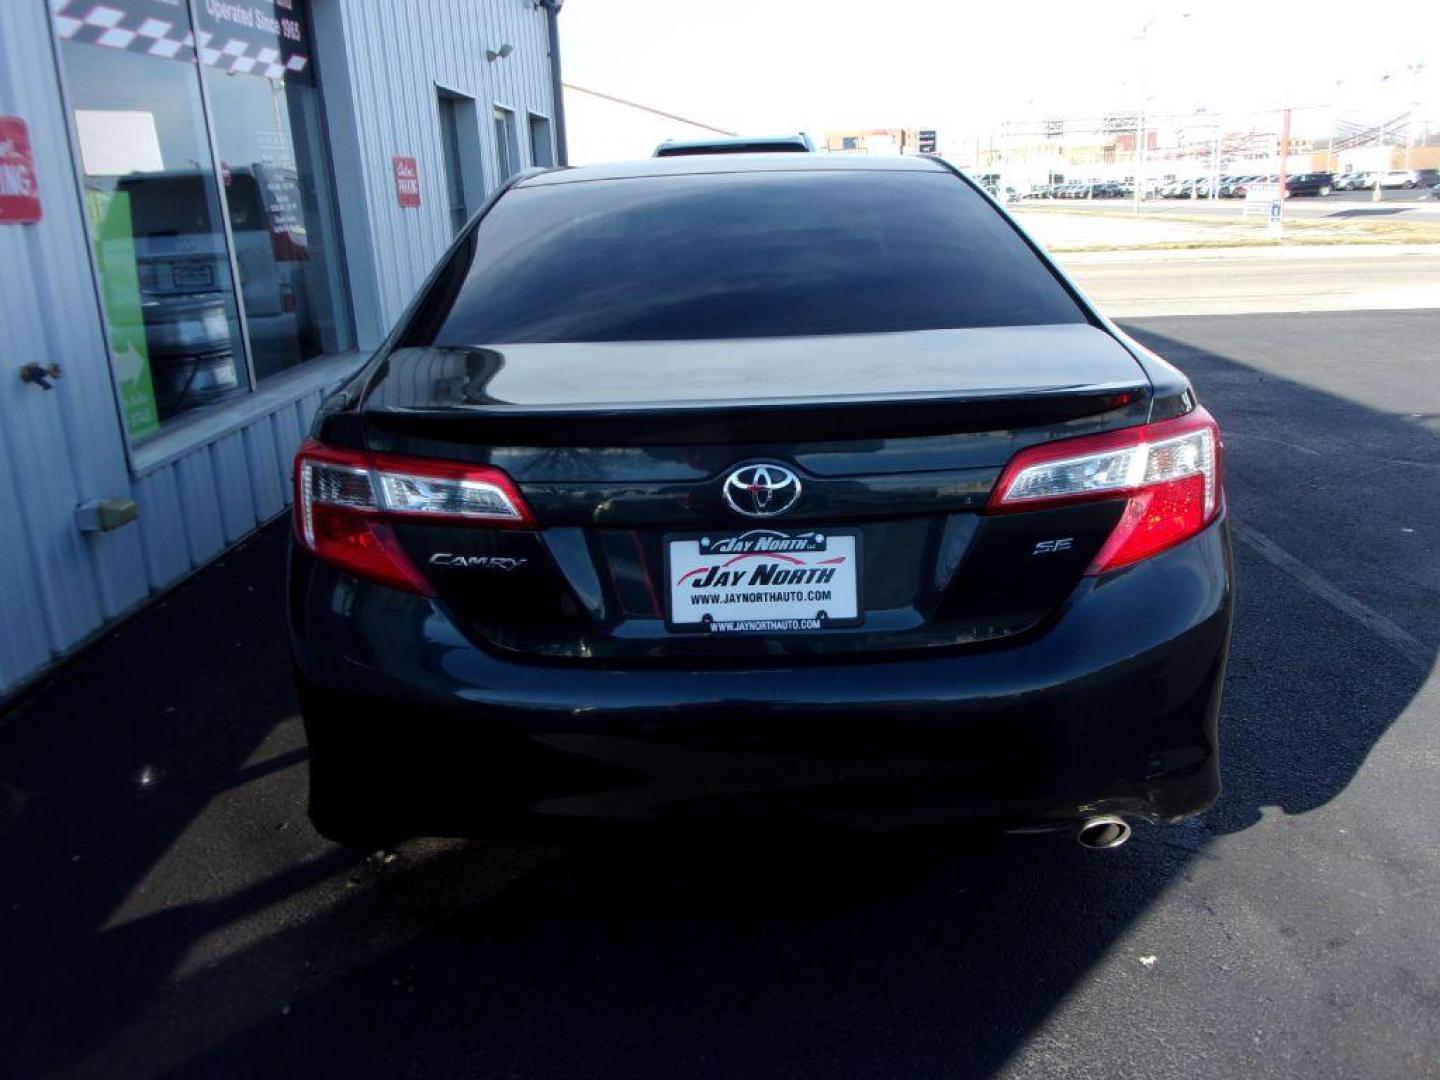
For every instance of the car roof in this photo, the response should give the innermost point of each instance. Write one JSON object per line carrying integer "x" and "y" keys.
{"x": 702, "y": 164}
{"x": 734, "y": 144}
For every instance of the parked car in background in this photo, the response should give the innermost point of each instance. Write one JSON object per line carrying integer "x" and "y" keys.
{"x": 1397, "y": 178}
{"x": 1243, "y": 189}
{"x": 184, "y": 279}
{"x": 1233, "y": 187}
{"x": 1000, "y": 192}
{"x": 1427, "y": 178}
{"x": 1351, "y": 181}
{"x": 605, "y": 535}
{"x": 1312, "y": 183}
{"x": 1196, "y": 188}
{"x": 799, "y": 143}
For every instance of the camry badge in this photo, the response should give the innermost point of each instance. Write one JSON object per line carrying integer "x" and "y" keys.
{"x": 476, "y": 562}
{"x": 761, "y": 490}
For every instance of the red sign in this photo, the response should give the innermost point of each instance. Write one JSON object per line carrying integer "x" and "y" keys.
{"x": 19, "y": 190}
{"x": 407, "y": 181}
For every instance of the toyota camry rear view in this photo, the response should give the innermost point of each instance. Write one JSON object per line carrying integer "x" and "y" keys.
{"x": 780, "y": 489}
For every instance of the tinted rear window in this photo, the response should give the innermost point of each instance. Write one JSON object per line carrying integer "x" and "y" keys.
{"x": 747, "y": 255}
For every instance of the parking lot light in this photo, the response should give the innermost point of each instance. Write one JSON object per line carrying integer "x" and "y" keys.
{"x": 1143, "y": 36}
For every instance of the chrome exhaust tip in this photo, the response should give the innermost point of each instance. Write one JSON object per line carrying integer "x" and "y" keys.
{"x": 1102, "y": 832}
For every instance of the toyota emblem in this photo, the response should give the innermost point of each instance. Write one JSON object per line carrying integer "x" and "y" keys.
{"x": 761, "y": 490}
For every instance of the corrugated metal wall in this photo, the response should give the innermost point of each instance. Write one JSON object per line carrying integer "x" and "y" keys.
{"x": 395, "y": 57}
{"x": 62, "y": 447}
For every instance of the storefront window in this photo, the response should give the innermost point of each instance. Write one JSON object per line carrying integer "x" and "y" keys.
{"x": 153, "y": 202}
{"x": 158, "y": 202}
{"x": 276, "y": 184}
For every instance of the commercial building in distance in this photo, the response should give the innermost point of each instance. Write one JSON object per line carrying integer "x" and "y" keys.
{"x": 880, "y": 141}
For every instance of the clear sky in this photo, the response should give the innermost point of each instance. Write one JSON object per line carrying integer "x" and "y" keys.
{"x": 962, "y": 67}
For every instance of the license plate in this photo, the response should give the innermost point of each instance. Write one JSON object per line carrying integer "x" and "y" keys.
{"x": 764, "y": 581}
{"x": 188, "y": 277}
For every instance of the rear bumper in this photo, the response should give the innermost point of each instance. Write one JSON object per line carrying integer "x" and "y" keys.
{"x": 416, "y": 731}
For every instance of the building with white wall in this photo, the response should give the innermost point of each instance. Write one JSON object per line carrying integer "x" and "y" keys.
{"x": 210, "y": 210}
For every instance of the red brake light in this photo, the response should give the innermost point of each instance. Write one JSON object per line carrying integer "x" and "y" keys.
{"x": 1169, "y": 474}
{"x": 345, "y": 499}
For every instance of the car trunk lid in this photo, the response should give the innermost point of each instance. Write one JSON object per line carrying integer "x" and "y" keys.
{"x": 623, "y": 450}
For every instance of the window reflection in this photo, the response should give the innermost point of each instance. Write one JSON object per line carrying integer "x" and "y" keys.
{"x": 154, "y": 210}
{"x": 154, "y": 199}
{"x": 274, "y": 176}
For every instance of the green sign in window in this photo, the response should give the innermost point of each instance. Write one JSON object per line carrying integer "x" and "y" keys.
{"x": 120, "y": 286}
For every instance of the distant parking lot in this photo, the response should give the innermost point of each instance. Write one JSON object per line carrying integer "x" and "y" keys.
{"x": 1299, "y": 205}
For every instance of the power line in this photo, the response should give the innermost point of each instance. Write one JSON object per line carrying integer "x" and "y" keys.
{"x": 648, "y": 109}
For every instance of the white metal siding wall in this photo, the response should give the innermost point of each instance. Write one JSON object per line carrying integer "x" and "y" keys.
{"x": 381, "y": 62}
{"x": 63, "y": 447}
{"x": 197, "y": 494}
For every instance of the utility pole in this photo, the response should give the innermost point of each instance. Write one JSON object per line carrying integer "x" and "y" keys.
{"x": 1284, "y": 167}
{"x": 1140, "y": 152}
{"x": 1143, "y": 37}
{"x": 1376, "y": 191}
{"x": 1216, "y": 163}
{"x": 1284, "y": 150}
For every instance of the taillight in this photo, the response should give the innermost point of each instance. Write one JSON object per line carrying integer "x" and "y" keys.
{"x": 1168, "y": 473}
{"x": 345, "y": 501}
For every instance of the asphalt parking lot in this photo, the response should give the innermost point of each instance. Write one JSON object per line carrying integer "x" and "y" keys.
{"x": 165, "y": 909}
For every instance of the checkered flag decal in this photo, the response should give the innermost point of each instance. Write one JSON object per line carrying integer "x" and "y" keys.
{"x": 99, "y": 24}
{"x": 247, "y": 58}
{"x": 94, "y": 23}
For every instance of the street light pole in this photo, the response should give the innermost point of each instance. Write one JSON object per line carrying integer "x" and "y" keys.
{"x": 1216, "y": 163}
{"x": 1143, "y": 37}
{"x": 1284, "y": 161}
{"x": 1139, "y": 151}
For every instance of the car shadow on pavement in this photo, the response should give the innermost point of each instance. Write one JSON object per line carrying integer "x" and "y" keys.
{"x": 204, "y": 930}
